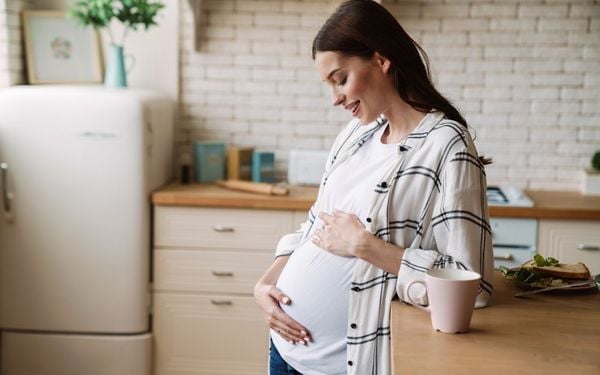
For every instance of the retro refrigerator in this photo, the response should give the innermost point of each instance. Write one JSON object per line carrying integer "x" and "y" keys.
{"x": 77, "y": 167}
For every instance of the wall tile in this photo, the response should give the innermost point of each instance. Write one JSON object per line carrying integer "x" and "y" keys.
{"x": 525, "y": 73}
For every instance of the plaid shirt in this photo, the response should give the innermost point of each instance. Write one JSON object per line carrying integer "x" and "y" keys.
{"x": 432, "y": 202}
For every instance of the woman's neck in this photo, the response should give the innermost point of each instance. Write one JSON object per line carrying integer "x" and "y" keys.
{"x": 402, "y": 120}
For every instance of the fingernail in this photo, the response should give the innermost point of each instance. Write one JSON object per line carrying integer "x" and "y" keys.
{"x": 286, "y": 300}
{"x": 303, "y": 333}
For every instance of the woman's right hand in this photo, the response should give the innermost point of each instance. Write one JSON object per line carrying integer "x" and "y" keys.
{"x": 269, "y": 297}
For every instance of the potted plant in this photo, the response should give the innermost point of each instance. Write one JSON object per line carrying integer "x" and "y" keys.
{"x": 131, "y": 13}
{"x": 590, "y": 183}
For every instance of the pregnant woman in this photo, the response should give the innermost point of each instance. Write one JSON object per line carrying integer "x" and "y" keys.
{"x": 403, "y": 192}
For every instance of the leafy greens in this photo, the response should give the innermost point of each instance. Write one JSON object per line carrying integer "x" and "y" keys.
{"x": 527, "y": 275}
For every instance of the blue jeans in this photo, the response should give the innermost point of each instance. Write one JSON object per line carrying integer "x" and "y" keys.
{"x": 277, "y": 365}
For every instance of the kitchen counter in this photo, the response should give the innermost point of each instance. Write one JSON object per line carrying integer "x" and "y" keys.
{"x": 548, "y": 204}
{"x": 559, "y": 205}
{"x": 541, "y": 334}
{"x": 208, "y": 195}
{"x": 554, "y": 334}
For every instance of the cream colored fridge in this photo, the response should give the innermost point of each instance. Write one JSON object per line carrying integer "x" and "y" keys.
{"x": 77, "y": 166}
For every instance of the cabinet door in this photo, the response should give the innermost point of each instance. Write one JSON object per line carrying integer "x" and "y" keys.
{"x": 571, "y": 242}
{"x": 209, "y": 334}
{"x": 209, "y": 271}
{"x": 224, "y": 228}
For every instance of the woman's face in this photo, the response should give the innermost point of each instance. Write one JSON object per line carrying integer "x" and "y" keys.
{"x": 359, "y": 85}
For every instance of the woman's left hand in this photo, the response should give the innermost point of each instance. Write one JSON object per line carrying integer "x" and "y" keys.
{"x": 342, "y": 234}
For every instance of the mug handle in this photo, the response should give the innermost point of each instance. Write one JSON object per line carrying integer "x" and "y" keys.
{"x": 410, "y": 300}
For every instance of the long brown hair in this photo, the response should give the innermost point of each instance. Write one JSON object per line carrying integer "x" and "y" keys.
{"x": 363, "y": 27}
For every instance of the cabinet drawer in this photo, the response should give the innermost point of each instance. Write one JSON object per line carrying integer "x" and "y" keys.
{"x": 208, "y": 270}
{"x": 571, "y": 242}
{"x": 197, "y": 334}
{"x": 220, "y": 228}
{"x": 514, "y": 231}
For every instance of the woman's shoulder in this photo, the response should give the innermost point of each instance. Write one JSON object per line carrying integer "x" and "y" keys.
{"x": 450, "y": 132}
{"x": 448, "y": 128}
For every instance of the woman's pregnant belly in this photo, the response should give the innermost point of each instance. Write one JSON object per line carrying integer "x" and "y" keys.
{"x": 318, "y": 283}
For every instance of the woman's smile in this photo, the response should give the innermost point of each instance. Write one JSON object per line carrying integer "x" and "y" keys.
{"x": 353, "y": 107}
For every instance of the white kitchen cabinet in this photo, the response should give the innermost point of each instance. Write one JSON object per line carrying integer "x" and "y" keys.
{"x": 571, "y": 241}
{"x": 206, "y": 262}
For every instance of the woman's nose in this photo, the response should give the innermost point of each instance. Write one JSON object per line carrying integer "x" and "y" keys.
{"x": 336, "y": 98}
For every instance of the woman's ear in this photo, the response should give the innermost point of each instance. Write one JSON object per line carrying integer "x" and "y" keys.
{"x": 383, "y": 62}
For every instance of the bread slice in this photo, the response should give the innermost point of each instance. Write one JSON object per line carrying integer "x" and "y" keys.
{"x": 566, "y": 271}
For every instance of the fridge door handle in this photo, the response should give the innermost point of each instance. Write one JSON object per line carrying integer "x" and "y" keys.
{"x": 5, "y": 194}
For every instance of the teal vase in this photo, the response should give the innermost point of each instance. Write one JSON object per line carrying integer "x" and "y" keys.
{"x": 116, "y": 75}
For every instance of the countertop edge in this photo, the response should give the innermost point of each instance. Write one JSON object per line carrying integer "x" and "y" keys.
{"x": 549, "y": 205}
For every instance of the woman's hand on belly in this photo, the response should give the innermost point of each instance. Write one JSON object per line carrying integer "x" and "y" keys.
{"x": 268, "y": 297}
{"x": 342, "y": 234}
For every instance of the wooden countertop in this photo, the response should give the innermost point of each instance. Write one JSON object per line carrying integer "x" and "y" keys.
{"x": 208, "y": 195}
{"x": 541, "y": 334}
{"x": 559, "y": 205}
{"x": 548, "y": 204}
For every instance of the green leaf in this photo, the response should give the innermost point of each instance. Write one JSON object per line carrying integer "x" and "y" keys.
{"x": 540, "y": 261}
{"x": 552, "y": 261}
{"x": 131, "y": 13}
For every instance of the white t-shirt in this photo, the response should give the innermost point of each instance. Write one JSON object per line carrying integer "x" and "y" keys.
{"x": 317, "y": 281}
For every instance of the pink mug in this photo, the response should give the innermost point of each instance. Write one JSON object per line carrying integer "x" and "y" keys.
{"x": 451, "y": 293}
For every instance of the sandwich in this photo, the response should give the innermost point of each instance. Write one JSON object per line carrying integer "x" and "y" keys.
{"x": 544, "y": 272}
{"x": 561, "y": 270}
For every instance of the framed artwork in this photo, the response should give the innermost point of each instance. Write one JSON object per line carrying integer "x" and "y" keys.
{"x": 59, "y": 50}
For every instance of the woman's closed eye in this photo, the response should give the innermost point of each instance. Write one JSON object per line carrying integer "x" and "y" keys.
{"x": 342, "y": 81}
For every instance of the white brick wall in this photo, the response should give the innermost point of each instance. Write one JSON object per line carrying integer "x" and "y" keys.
{"x": 525, "y": 73}
{"x": 11, "y": 51}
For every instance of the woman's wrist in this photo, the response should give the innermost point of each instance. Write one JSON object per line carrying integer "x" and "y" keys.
{"x": 365, "y": 242}
{"x": 378, "y": 252}
{"x": 271, "y": 276}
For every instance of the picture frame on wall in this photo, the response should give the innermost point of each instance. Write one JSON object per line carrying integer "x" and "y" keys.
{"x": 59, "y": 50}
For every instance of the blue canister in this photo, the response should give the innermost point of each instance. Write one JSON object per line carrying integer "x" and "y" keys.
{"x": 263, "y": 166}
{"x": 209, "y": 160}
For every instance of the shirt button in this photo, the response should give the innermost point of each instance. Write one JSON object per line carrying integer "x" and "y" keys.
{"x": 384, "y": 184}
{"x": 353, "y": 326}
{"x": 369, "y": 220}
{"x": 350, "y": 363}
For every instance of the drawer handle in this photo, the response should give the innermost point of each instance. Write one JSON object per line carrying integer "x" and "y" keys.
{"x": 6, "y": 196}
{"x": 222, "y": 273}
{"x": 583, "y": 246}
{"x": 503, "y": 257}
{"x": 221, "y": 303}
{"x": 222, "y": 229}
